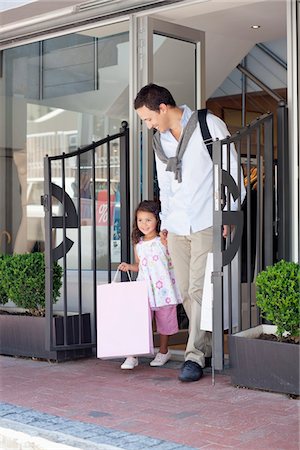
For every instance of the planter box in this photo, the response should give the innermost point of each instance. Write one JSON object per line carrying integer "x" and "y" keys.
{"x": 261, "y": 364}
{"x": 25, "y": 336}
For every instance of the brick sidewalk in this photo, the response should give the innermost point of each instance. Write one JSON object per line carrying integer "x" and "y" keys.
{"x": 148, "y": 407}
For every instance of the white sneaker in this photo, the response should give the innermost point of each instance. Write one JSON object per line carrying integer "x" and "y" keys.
{"x": 130, "y": 363}
{"x": 160, "y": 359}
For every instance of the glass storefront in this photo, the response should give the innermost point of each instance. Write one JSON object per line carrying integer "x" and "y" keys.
{"x": 57, "y": 95}
{"x": 66, "y": 92}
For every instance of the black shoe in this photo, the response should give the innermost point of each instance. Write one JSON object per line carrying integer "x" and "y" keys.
{"x": 190, "y": 371}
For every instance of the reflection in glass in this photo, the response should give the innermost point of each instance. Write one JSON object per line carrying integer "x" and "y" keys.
{"x": 61, "y": 94}
{"x": 181, "y": 60}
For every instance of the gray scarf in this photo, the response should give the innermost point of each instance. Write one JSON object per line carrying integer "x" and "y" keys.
{"x": 174, "y": 163}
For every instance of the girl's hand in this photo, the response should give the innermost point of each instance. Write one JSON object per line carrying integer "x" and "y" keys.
{"x": 164, "y": 237}
{"x": 124, "y": 267}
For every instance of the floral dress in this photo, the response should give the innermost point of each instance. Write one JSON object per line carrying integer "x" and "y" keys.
{"x": 156, "y": 268}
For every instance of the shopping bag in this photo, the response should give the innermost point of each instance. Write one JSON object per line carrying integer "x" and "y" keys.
{"x": 207, "y": 299}
{"x": 124, "y": 325}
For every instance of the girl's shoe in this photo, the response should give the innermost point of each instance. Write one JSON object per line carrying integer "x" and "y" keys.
{"x": 130, "y": 363}
{"x": 160, "y": 359}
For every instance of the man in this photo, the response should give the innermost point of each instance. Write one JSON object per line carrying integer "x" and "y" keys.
{"x": 185, "y": 178}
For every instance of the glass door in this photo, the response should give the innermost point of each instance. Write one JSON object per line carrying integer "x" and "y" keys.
{"x": 172, "y": 56}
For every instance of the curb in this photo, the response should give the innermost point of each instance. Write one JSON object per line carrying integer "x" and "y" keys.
{"x": 32, "y": 438}
{"x": 65, "y": 434}
{"x": 17, "y": 440}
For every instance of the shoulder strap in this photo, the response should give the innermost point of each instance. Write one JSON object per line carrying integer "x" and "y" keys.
{"x": 207, "y": 139}
{"x": 202, "y": 113}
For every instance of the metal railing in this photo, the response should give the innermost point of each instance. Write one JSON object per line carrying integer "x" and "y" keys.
{"x": 258, "y": 228}
{"x": 80, "y": 215}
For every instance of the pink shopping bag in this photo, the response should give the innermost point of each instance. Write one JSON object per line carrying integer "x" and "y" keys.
{"x": 124, "y": 325}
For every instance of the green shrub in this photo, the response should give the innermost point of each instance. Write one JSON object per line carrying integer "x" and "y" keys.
{"x": 278, "y": 296}
{"x": 3, "y": 295}
{"x": 23, "y": 281}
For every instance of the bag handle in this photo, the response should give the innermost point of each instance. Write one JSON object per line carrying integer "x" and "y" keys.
{"x": 117, "y": 273}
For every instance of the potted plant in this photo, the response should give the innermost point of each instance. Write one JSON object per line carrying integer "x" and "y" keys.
{"x": 22, "y": 329}
{"x": 267, "y": 356}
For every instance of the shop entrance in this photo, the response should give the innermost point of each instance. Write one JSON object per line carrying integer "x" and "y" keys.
{"x": 171, "y": 56}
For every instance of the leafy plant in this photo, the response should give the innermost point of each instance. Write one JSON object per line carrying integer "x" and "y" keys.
{"x": 23, "y": 281}
{"x": 3, "y": 295}
{"x": 278, "y": 296}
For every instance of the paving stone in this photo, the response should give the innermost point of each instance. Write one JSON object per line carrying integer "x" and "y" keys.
{"x": 117, "y": 434}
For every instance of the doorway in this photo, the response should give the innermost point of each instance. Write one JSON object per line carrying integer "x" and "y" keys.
{"x": 172, "y": 56}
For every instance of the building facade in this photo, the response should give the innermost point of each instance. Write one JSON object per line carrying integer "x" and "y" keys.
{"x": 69, "y": 76}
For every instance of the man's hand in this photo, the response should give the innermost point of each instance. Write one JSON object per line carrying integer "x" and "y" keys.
{"x": 227, "y": 230}
{"x": 164, "y": 237}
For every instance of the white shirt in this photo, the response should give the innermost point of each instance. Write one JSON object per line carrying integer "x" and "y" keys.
{"x": 187, "y": 207}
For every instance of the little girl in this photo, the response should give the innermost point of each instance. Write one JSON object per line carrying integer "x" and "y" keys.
{"x": 154, "y": 265}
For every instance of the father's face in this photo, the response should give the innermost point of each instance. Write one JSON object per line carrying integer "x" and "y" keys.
{"x": 153, "y": 119}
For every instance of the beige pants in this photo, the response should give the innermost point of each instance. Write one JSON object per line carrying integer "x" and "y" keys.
{"x": 189, "y": 254}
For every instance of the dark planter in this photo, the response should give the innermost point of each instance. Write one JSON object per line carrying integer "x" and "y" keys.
{"x": 25, "y": 336}
{"x": 263, "y": 364}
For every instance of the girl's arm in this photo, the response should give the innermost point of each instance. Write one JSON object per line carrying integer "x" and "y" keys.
{"x": 125, "y": 267}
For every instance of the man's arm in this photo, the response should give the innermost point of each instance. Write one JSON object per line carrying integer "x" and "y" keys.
{"x": 163, "y": 178}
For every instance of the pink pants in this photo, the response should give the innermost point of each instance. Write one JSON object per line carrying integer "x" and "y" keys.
{"x": 166, "y": 320}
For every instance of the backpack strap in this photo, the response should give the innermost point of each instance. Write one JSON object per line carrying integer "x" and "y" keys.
{"x": 202, "y": 113}
{"x": 208, "y": 140}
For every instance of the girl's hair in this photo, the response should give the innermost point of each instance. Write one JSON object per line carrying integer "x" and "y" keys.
{"x": 152, "y": 96}
{"x": 146, "y": 206}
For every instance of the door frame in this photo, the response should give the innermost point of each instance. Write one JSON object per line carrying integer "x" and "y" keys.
{"x": 141, "y": 32}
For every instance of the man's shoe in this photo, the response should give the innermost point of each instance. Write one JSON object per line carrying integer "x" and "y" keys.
{"x": 190, "y": 371}
{"x": 130, "y": 363}
{"x": 160, "y": 359}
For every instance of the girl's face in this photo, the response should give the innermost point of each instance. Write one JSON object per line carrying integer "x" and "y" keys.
{"x": 146, "y": 222}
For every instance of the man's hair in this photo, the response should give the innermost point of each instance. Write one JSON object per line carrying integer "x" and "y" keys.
{"x": 152, "y": 96}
